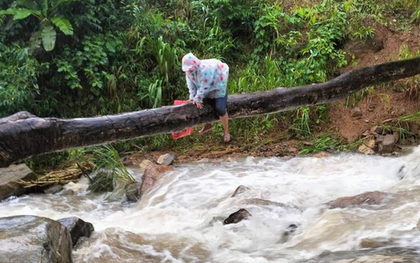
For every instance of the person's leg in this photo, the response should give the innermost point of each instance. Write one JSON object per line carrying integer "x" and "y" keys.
{"x": 208, "y": 126}
{"x": 220, "y": 108}
{"x": 225, "y": 122}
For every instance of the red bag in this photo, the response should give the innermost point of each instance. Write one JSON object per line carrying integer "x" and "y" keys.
{"x": 186, "y": 132}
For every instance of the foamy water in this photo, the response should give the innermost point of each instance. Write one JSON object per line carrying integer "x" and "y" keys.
{"x": 179, "y": 220}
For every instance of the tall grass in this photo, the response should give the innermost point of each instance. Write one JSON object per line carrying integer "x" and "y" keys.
{"x": 301, "y": 123}
{"x": 109, "y": 170}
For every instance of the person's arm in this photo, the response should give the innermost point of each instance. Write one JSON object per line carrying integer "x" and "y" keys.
{"x": 192, "y": 88}
{"x": 204, "y": 85}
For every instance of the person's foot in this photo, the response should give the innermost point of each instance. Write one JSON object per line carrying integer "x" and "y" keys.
{"x": 208, "y": 127}
{"x": 226, "y": 138}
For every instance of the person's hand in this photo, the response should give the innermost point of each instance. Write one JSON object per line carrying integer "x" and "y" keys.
{"x": 190, "y": 101}
{"x": 198, "y": 104}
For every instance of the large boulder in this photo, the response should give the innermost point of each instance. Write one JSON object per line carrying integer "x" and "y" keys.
{"x": 386, "y": 143}
{"x": 133, "y": 192}
{"x": 152, "y": 175}
{"x": 370, "y": 198}
{"x": 237, "y": 217}
{"x": 146, "y": 163}
{"x": 29, "y": 239}
{"x": 366, "y": 150}
{"x": 77, "y": 228}
{"x": 53, "y": 189}
{"x": 166, "y": 159}
{"x": 9, "y": 180}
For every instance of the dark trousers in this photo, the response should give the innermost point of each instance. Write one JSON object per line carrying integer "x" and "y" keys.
{"x": 218, "y": 105}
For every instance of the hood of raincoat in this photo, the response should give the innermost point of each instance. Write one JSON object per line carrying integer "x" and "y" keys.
{"x": 190, "y": 63}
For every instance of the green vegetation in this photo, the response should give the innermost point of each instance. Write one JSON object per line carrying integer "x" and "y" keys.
{"x": 325, "y": 142}
{"x": 322, "y": 143}
{"x": 48, "y": 14}
{"x": 73, "y": 58}
{"x": 110, "y": 173}
{"x": 356, "y": 97}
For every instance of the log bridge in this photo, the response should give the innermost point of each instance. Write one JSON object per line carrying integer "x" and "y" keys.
{"x": 23, "y": 135}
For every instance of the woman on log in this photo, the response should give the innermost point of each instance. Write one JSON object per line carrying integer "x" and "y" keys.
{"x": 207, "y": 83}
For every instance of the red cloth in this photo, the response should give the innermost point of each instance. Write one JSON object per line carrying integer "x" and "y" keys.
{"x": 186, "y": 132}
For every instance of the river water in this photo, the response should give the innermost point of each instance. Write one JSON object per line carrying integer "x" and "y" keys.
{"x": 178, "y": 221}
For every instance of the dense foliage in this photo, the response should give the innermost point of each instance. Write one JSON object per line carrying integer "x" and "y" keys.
{"x": 72, "y": 58}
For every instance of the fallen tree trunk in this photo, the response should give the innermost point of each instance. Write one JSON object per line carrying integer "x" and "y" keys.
{"x": 23, "y": 135}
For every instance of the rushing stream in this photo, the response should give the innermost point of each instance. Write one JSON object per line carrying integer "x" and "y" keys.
{"x": 178, "y": 220}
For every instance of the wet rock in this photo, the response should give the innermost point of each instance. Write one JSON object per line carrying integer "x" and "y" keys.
{"x": 380, "y": 139}
{"x": 366, "y": 133}
{"x": 357, "y": 112}
{"x": 77, "y": 228}
{"x": 414, "y": 128}
{"x": 29, "y": 239}
{"x": 374, "y": 243}
{"x": 68, "y": 192}
{"x": 133, "y": 192}
{"x": 396, "y": 136}
{"x": 401, "y": 172}
{"x": 370, "y": 143}
{"x": 127, "y": 161}
{"x": 231, "y": 159}
{"x": 386, "y": 143}
{"x": 292, "y": 150}
{"x": 146, "y": 163}
{"x": 9, "y": 178}
{"x": 151, "y": 175}
{"x": 54, "y": 189}
{"x": 288, "y": 232}
{"x": 377, "y": 130}
{"x": 240, "y": 190}
{"x": 166, "y": 159}
{"x": 321, "y": 155}
{"x": 237, "y": 217}
{"x": 290, "y": 229}
{"x": 366, "y": 150}
{"x": 370, "y": 198}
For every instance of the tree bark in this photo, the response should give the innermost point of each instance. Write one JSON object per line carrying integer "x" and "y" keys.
{"x": 23, "y": 135}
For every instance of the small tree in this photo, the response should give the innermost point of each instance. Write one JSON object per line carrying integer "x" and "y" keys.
{"x": 47, "y": 12}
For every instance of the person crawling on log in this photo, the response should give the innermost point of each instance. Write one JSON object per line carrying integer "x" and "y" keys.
{"x": 207, "y": 83}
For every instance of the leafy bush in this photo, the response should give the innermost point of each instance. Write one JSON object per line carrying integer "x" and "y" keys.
{"x": 19, "y": 73}
{"x": 321, "y": 144}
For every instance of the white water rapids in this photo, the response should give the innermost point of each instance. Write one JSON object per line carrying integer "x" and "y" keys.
{"x": 175, "y": 222}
